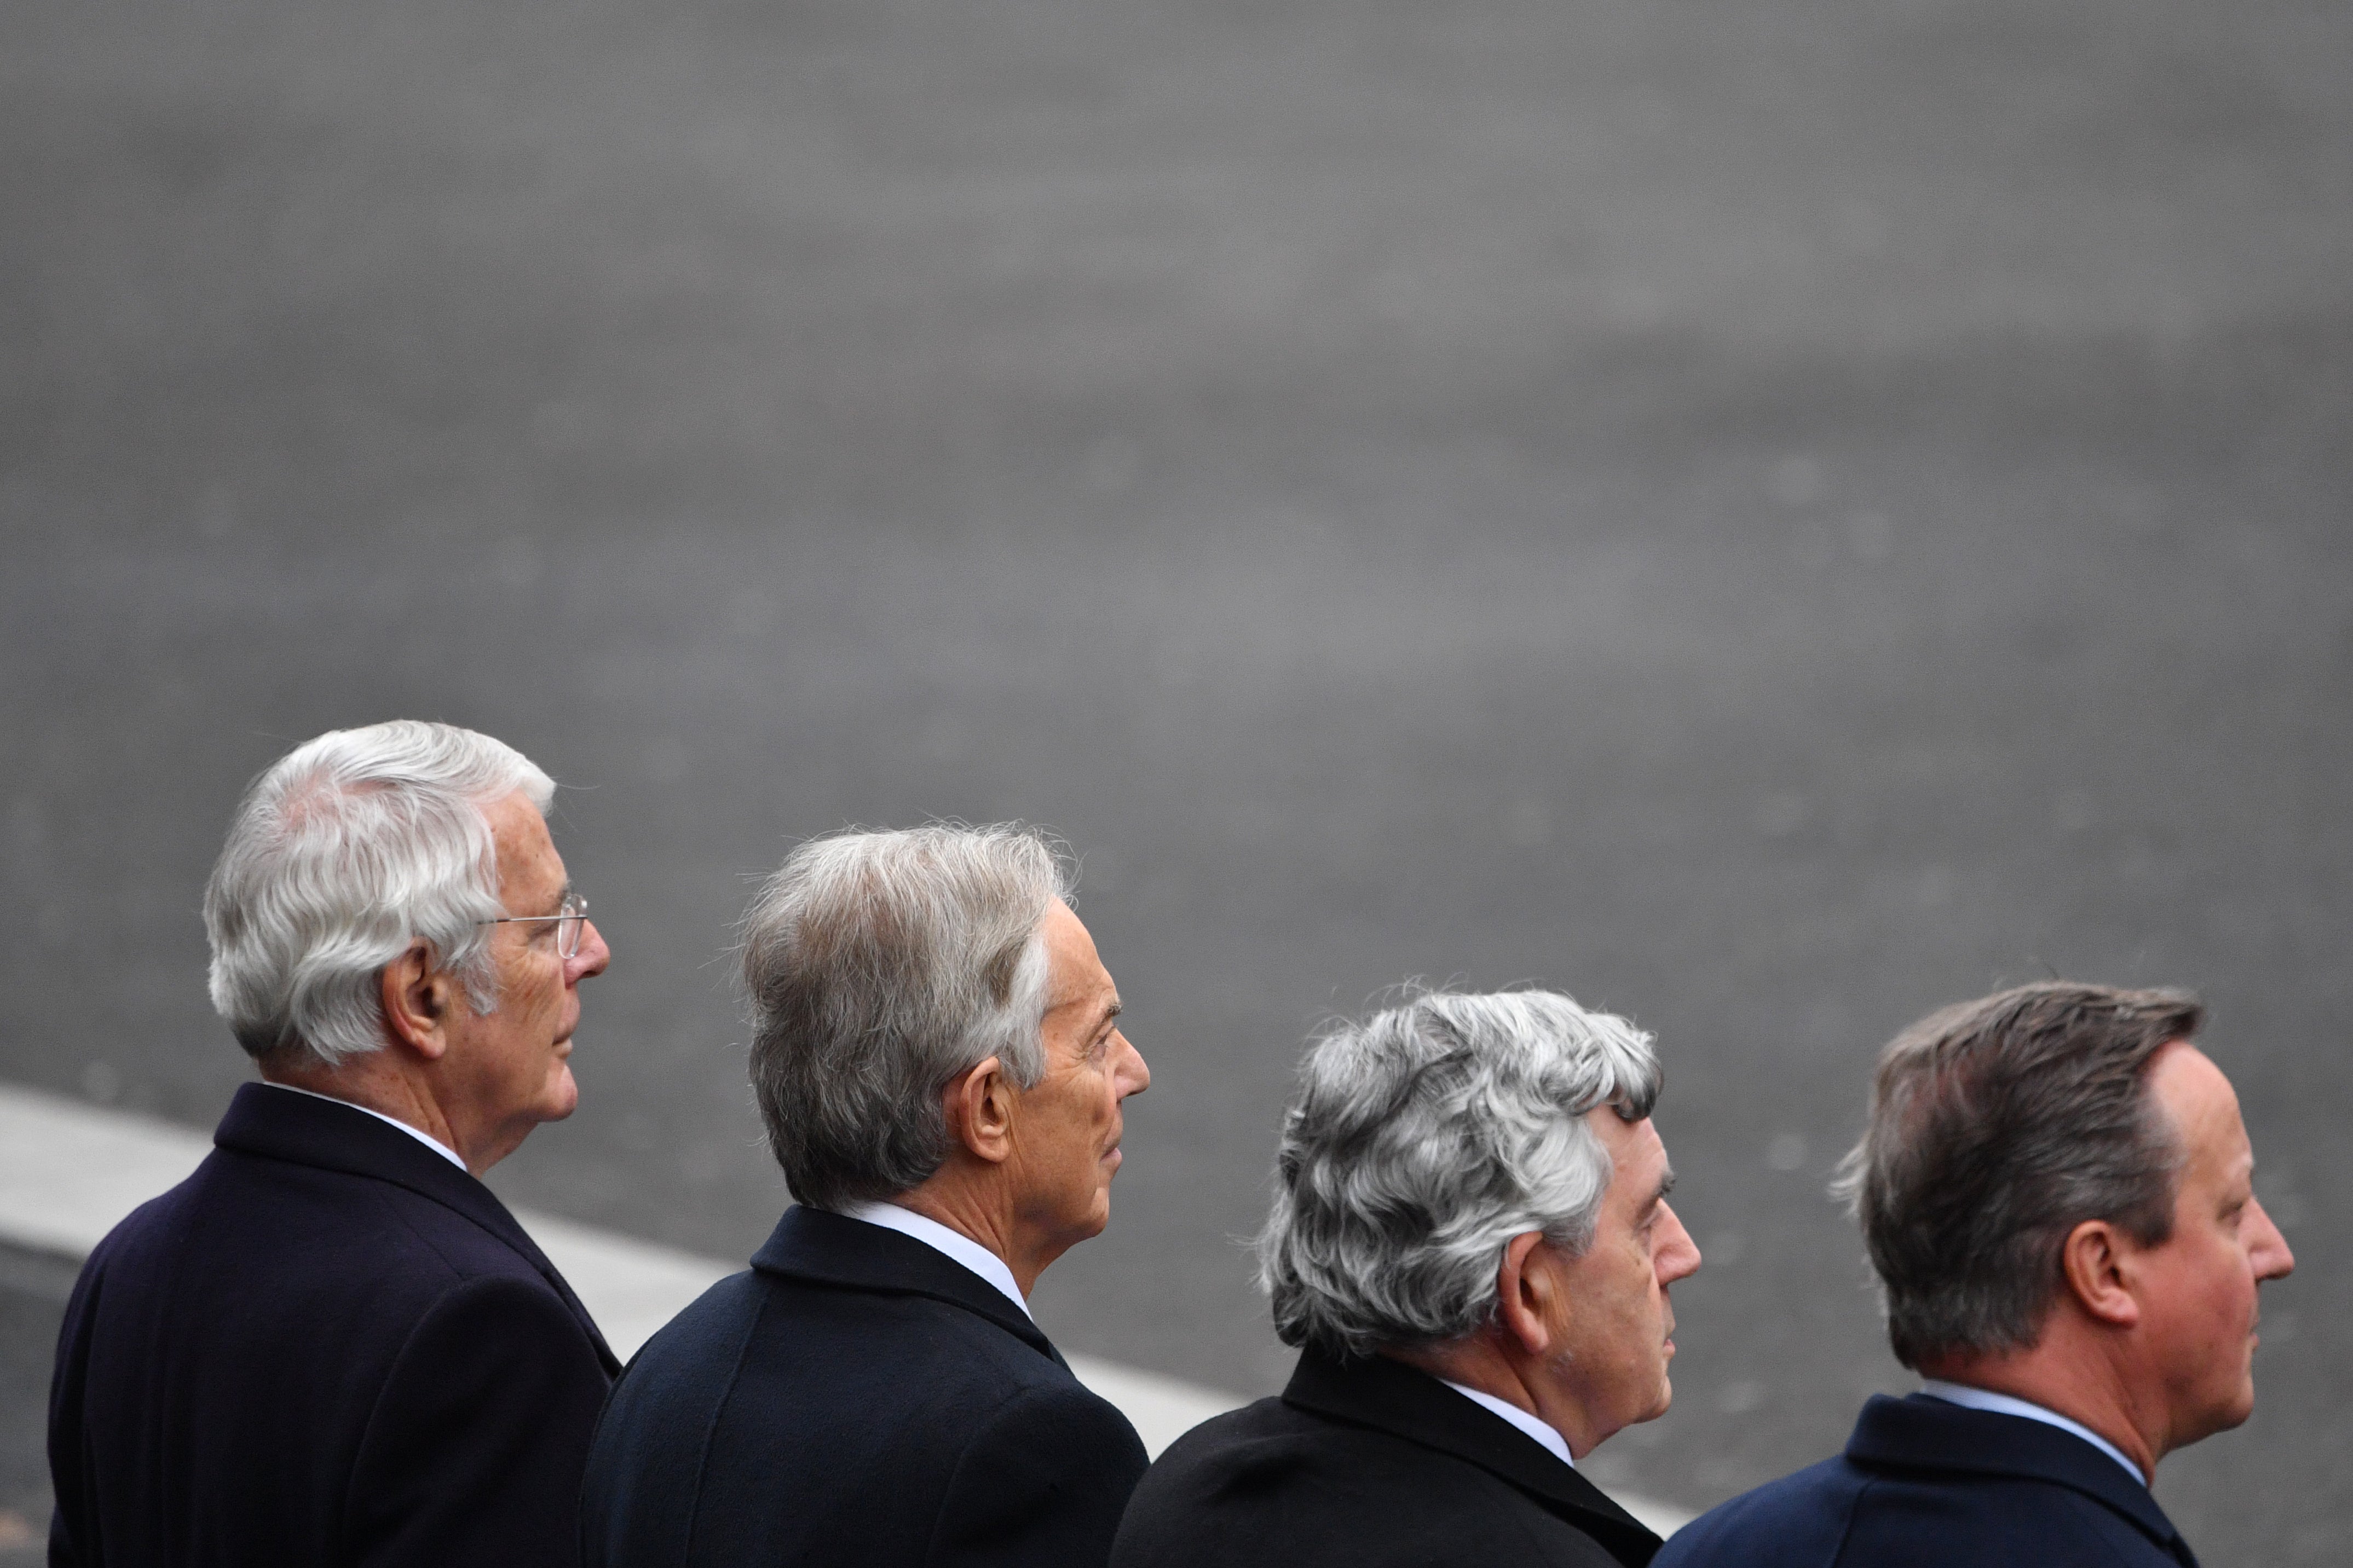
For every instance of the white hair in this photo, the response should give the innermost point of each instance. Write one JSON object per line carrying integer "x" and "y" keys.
{"x": 346, "y": 852}
{"x": 879, "y": 967}
{"x": 1422, "y": 1140}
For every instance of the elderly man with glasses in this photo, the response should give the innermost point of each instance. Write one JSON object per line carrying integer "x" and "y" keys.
{"x": 332, "y": 1344}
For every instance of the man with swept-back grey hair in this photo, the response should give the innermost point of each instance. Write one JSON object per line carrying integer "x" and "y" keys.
{"x": 2056, "y": 1193}
{"x": 332, "y": 1344}
{"x": 1472, "y": 1247}
{"x": 938, "y": 1061}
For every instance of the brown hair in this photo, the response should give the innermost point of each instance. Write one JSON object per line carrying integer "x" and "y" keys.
{"x": 1997, "y": 1126}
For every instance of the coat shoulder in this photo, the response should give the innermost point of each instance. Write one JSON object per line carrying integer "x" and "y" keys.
{"x": 776, "y": 1419}
{"x": 240, "y": 1214}
{"x": 1798, "y": 1519}
{"x": 1968, "y": 1519}
{"x": 1839, "y": 1511}
{"x": 1274, "y": 1485}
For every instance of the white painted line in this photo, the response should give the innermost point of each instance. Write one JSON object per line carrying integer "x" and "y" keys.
{"x": 70, "y": 1172}
{"x": 630, "y": 1287}
{"x": 1161, "y": 1409}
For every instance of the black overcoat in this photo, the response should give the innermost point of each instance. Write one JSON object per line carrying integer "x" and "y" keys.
{"x": 854, "y": 1397}
{"x": 327, "y": 1346}
{"x": 1370, "y": 1464}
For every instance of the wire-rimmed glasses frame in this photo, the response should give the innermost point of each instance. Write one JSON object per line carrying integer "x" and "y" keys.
{"x": 571, "y": 920}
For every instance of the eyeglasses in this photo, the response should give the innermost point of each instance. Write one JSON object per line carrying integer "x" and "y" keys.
{"x": 571, "y": 920}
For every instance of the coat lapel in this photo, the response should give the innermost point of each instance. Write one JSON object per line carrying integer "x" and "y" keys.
{"x": 1921, "y": 1433}
{"x": 849, "y": 1254}
{"x": 310, "y": 1131}
{"x": 1397, "y": 1399}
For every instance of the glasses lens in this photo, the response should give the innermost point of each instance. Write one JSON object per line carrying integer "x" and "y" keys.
{"x": 569, "y": 929}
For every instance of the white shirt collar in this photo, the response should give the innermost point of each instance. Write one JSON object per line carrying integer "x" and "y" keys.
{"x": 2006, "y": 1404}
{"x": 422, "y": 1137}
{"x": 954, "y": 1245}
{"x": 1518, "y": 1417}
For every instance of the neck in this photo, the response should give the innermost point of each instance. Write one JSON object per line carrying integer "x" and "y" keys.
{"x": 1482, "y": 1362}
{"x": 377, "y": 1082}
{"x": 2076, "y": 1379}
{"x": 977, "y": 1203}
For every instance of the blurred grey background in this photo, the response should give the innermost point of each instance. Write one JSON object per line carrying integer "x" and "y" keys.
{"x": 1769, "y": 517}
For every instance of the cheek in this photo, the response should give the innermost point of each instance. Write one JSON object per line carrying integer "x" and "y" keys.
{"x": 2225, "y": 1294}
{"x": 547, "y": 992}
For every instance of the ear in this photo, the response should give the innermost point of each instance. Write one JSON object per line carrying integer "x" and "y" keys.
{"x": 979, "y": 1105}
{"x": 417, "y": 999}
{"x": 1525, "y": 1289}
{"x": 2096, "y": 1262}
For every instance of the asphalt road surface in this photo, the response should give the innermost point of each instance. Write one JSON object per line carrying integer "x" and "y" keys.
{"x": 1770, "y": 519}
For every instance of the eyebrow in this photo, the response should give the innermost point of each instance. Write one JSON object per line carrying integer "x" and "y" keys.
{"x": 1666, "y": 1186}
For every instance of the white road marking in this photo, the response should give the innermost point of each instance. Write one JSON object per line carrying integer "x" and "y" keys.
{"x": 70, "y": 1172}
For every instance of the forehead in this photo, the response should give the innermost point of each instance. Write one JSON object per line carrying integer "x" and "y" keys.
{"x": 1637, "y": 1156}
{"x": 1075, "y": 975}
{"x": 529, "y": 868}
{"x": 2202, "y": 1107}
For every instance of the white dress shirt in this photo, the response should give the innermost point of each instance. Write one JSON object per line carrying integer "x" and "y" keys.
{"x": 2006, "y": 1404}
{"x": 1518, "y": 1417}
{"x": 955, "y": 1245}
{"x": 426, "y": 1139}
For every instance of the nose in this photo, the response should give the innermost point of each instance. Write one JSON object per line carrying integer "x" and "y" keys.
{"x": 2267, "y": 1250}
{"x": 1677, "y": 1254}
{"x": 591, "y": 958}
{"x": 1133, "y": 1075}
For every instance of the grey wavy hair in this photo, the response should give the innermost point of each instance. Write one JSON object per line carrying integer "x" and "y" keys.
{"x": 879, "y": 967}
{"x": 1420, "y": 1141}
{"x": 1998, "y": 1126}
{"x": 342, "y": 853}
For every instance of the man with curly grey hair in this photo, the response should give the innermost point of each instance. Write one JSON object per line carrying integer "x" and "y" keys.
{"x": 936, "y": 1051}
{"x": 2057, "y": 1194}
{"x": 332, "y": 1344}
{"x": 1472, "y": 1247}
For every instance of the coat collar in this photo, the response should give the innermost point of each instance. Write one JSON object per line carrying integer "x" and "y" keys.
{"x": 828, "y": 1248}
{"x": 1920, "y": 1433}
{"x": 1396, "y": 1398}
{"x": 309, "y": 1130}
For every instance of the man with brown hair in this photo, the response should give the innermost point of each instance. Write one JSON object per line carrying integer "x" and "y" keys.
{"x": 2057, "y": 1191}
